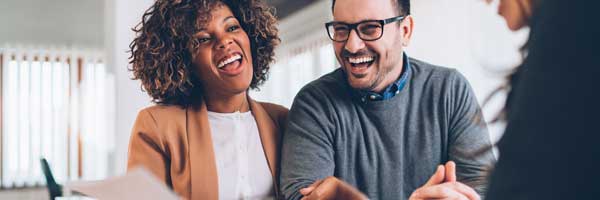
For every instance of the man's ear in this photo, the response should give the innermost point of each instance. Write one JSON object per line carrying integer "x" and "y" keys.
{"x": 407, "y": 26}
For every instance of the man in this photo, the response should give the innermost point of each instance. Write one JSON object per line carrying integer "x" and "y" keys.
{"x": 383, "y": 125}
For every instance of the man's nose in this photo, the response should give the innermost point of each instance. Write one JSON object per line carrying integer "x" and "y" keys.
{"x": 354, "y": 43}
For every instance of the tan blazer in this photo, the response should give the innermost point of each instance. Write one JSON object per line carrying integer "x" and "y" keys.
{"x": 175, "y": 144}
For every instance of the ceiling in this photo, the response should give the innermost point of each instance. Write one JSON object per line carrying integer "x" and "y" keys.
{"x": 284, "y": 8}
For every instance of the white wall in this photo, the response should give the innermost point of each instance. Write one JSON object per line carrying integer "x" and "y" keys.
{"x": 301, "y": 33}
{"x": 121, "y": 16}
{"x": 56, "y": 22}
{"x": 467, "y": 35}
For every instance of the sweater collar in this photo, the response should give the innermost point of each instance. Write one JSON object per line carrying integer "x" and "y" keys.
{"x": 391, "y": 90}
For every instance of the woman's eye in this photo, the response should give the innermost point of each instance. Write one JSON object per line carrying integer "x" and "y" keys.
{"x": 233, "y": 28}
{"x": 203, "y": 40}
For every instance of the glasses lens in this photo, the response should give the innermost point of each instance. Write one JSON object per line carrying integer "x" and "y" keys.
{"x": 338, "y": 32}
{"x": 370, "y": 30}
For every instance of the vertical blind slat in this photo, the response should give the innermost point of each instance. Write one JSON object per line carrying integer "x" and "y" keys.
{"x": 42, "y": 116}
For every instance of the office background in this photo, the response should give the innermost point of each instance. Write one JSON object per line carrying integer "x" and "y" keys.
{"x": 67, "y": 94}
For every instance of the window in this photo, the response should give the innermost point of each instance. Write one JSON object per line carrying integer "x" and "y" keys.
{"x": 305, "y": 54}
{"x": 296, "y": 69}
{"x": 55, "y": 104}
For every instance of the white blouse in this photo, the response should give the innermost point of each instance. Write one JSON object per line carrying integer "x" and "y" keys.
{"x": 242, "y": 169}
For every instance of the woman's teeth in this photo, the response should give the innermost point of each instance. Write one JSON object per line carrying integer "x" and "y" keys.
{"x": 229, "y": 60}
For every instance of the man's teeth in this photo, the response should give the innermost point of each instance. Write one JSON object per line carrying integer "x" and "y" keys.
{"x": 360, "y": 60}
{"x": 229, "y": 60}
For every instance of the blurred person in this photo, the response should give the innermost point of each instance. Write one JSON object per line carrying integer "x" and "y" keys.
{"x": 206, "y": 138}
{"x": 550, "y": 148}
{"x": 383, "y": 125}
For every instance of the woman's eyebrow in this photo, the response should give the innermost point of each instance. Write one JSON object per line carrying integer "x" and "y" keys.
{"x": 227, "y": 18}
{"x": 201, "y": 29}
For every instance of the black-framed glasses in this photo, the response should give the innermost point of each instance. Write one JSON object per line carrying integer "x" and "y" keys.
{"x": 368, "y": 30}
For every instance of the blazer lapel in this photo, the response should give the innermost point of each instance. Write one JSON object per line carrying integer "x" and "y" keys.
{"x": 204, "y": 181}
{"x": 268, "y": 137}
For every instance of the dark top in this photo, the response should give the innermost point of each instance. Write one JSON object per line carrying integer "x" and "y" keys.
{"x": 551, "y": 148}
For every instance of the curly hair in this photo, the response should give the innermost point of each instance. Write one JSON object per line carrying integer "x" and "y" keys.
{"x": 161, "y": 53}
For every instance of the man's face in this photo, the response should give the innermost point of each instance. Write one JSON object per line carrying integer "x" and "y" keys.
{"x": 371, "y": 65}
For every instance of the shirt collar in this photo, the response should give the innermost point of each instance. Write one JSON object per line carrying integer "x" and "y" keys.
{"x": 391, "y": 90}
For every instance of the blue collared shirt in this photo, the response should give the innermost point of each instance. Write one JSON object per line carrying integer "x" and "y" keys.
{"x": 392, "y": 89}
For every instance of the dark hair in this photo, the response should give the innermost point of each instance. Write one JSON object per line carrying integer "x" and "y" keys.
{"x": 403, "y": 6}
{"x": 161, "y": 53}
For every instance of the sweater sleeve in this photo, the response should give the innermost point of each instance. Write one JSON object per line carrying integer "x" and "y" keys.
{"x": 307, "y": 153}
{"x": 469, "y": 142}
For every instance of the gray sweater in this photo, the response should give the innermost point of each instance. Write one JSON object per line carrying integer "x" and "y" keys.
{"x": 388, "y": 148}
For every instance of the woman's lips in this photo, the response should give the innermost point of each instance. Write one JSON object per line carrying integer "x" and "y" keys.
{"x": 232, "y": 69}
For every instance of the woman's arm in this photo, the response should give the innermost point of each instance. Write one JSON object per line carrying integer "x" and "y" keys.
{"x": 146, "y": 148}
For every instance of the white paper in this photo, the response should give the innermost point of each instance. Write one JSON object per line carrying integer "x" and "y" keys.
{"x": 137, "y": 184}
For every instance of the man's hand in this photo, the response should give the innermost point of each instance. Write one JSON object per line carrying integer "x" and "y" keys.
{"x": 443, "y": 185}
{"x": 331, "y": 188}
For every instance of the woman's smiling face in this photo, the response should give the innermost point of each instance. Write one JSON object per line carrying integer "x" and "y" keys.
{"x": 223, "y": 57}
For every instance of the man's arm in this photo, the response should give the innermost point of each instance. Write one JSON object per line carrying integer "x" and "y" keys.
{"x": 469, "y": 142}
{"x": 307, "y": 151}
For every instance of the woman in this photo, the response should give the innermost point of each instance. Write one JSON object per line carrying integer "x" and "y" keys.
{"x": 206, "y": 139}
{"x": 550, "y": 149}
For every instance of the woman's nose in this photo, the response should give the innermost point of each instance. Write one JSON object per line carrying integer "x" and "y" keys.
{"x": 223, "y": 43}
